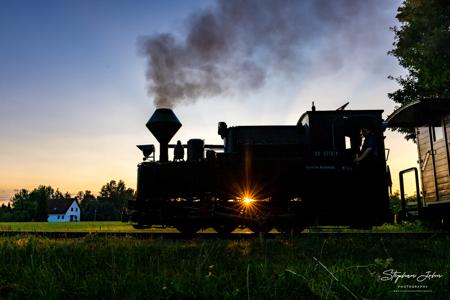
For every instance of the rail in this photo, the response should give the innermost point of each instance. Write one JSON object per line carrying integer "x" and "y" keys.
{"x": 213, "y": 235}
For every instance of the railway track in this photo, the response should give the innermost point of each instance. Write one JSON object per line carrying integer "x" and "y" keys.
{"x": 213, "y": 235}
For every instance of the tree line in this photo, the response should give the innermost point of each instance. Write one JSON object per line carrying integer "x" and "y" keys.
{"x": 26, "y": 206}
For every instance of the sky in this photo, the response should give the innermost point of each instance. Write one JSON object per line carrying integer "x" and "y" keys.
{"x": 79, "y": 79}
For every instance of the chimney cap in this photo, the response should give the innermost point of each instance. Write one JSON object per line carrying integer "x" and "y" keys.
{"x": 163, "y": 124}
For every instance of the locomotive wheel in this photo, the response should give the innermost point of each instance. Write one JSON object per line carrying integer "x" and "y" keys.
{"x": 140, "y": 226}
{"x": 260, "y": 227}
{"x": 187, "y": 230}
{"x": 224, "y": 229}
{"x": 288, "y": 229}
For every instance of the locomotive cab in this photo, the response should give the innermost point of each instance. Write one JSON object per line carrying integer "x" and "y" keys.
{"x": 353, "y": 192}
{"x": 335, "y": 135}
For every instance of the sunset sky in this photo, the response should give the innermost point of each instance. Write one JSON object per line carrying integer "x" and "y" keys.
{"x": 74, "y": 96}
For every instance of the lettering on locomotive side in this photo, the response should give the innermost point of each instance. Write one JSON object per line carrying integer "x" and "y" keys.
{"x": 320, "y": 167}
{"x": 325, "y": 153}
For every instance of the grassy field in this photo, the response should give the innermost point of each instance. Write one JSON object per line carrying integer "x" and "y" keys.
{"x": 77, "y": 226}
{"x": 299, "y": 268}
{"x": 119, "y": 226}
{"x": 65, "y": 226}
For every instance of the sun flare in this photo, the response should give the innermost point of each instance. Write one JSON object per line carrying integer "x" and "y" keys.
{"x": 248, "y": 200}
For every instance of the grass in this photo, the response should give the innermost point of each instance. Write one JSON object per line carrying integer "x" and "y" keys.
{"x": 79, "y": 227}
{"x": 416, "y": 226}
{"x": 284, "y": 268}
{"x": 65, "y": 226}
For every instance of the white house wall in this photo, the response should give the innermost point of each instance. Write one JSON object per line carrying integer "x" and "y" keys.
{"x": 54, "y": 218}
{"x": 73, "y": 210}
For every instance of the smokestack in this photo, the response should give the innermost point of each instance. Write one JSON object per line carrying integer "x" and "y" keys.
{"x": 163, "y": 124}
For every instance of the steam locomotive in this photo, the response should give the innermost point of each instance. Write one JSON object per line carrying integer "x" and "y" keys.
{"x": 264, "y": 177}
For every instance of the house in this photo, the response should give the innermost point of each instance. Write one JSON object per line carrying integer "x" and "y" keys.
{"x": 431, "y": 120}
{"x": 63, "y": 210}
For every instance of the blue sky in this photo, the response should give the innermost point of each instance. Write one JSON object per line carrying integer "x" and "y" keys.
{"x": 73, "y": 92}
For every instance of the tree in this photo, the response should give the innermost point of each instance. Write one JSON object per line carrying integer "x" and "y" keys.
{"x": 88, "y": 206}
{"x": 23, "y": 206}
{"x": 422, "y": 47}
{"x": 113, "y": 197}
{"x": 31, "y": 206}
{"x": 108, "y": 206}
{"x": 5, "y": 213}
{"x": 40, "y": 196}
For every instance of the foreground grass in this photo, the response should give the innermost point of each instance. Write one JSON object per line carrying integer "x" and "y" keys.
{"x": 126, "y": 268}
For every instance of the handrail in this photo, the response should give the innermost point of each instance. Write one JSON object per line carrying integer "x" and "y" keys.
{"x": 402, "y": 189}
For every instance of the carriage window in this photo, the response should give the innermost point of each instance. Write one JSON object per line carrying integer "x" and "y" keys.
{"x": 438, "y": 133}
{"x": 348, "y": 144}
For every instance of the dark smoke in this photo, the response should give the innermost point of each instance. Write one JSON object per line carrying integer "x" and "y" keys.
{"x": 234, "y": 45}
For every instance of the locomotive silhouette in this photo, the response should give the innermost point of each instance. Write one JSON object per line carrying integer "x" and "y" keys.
{"x": 264, "y": 177}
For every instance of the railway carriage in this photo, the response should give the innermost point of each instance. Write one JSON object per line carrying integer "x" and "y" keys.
{"x": 430, "y": 119}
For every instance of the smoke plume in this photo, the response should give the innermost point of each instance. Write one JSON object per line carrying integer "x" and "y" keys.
{"x": 234, "y": 45}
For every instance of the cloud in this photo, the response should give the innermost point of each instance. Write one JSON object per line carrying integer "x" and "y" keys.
{"x": 233, "y": 46}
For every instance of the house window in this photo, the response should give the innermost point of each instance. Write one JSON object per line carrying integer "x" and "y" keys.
{"x": 58, "y": 217}
{"x": 62, "y": 217}
{"x": 71, "y": 209}
{"x": 438, "y": 133}
{"x": 76, "y": 209}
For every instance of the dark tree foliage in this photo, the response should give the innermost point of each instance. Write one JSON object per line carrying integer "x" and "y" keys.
{"x": 32, "y": 206}
{"x": 88, "y": 206}
{"x": 6, "y": 213}
{"x": 28, "y": 206}
{"x": 108, "y": 206}
{"x": 40, "y": 196}
{"x": 115, "y": 196}
{"x": 59, "y": 195}
{"x": 422, "y": 47}
{"x": 23, "y": 206}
